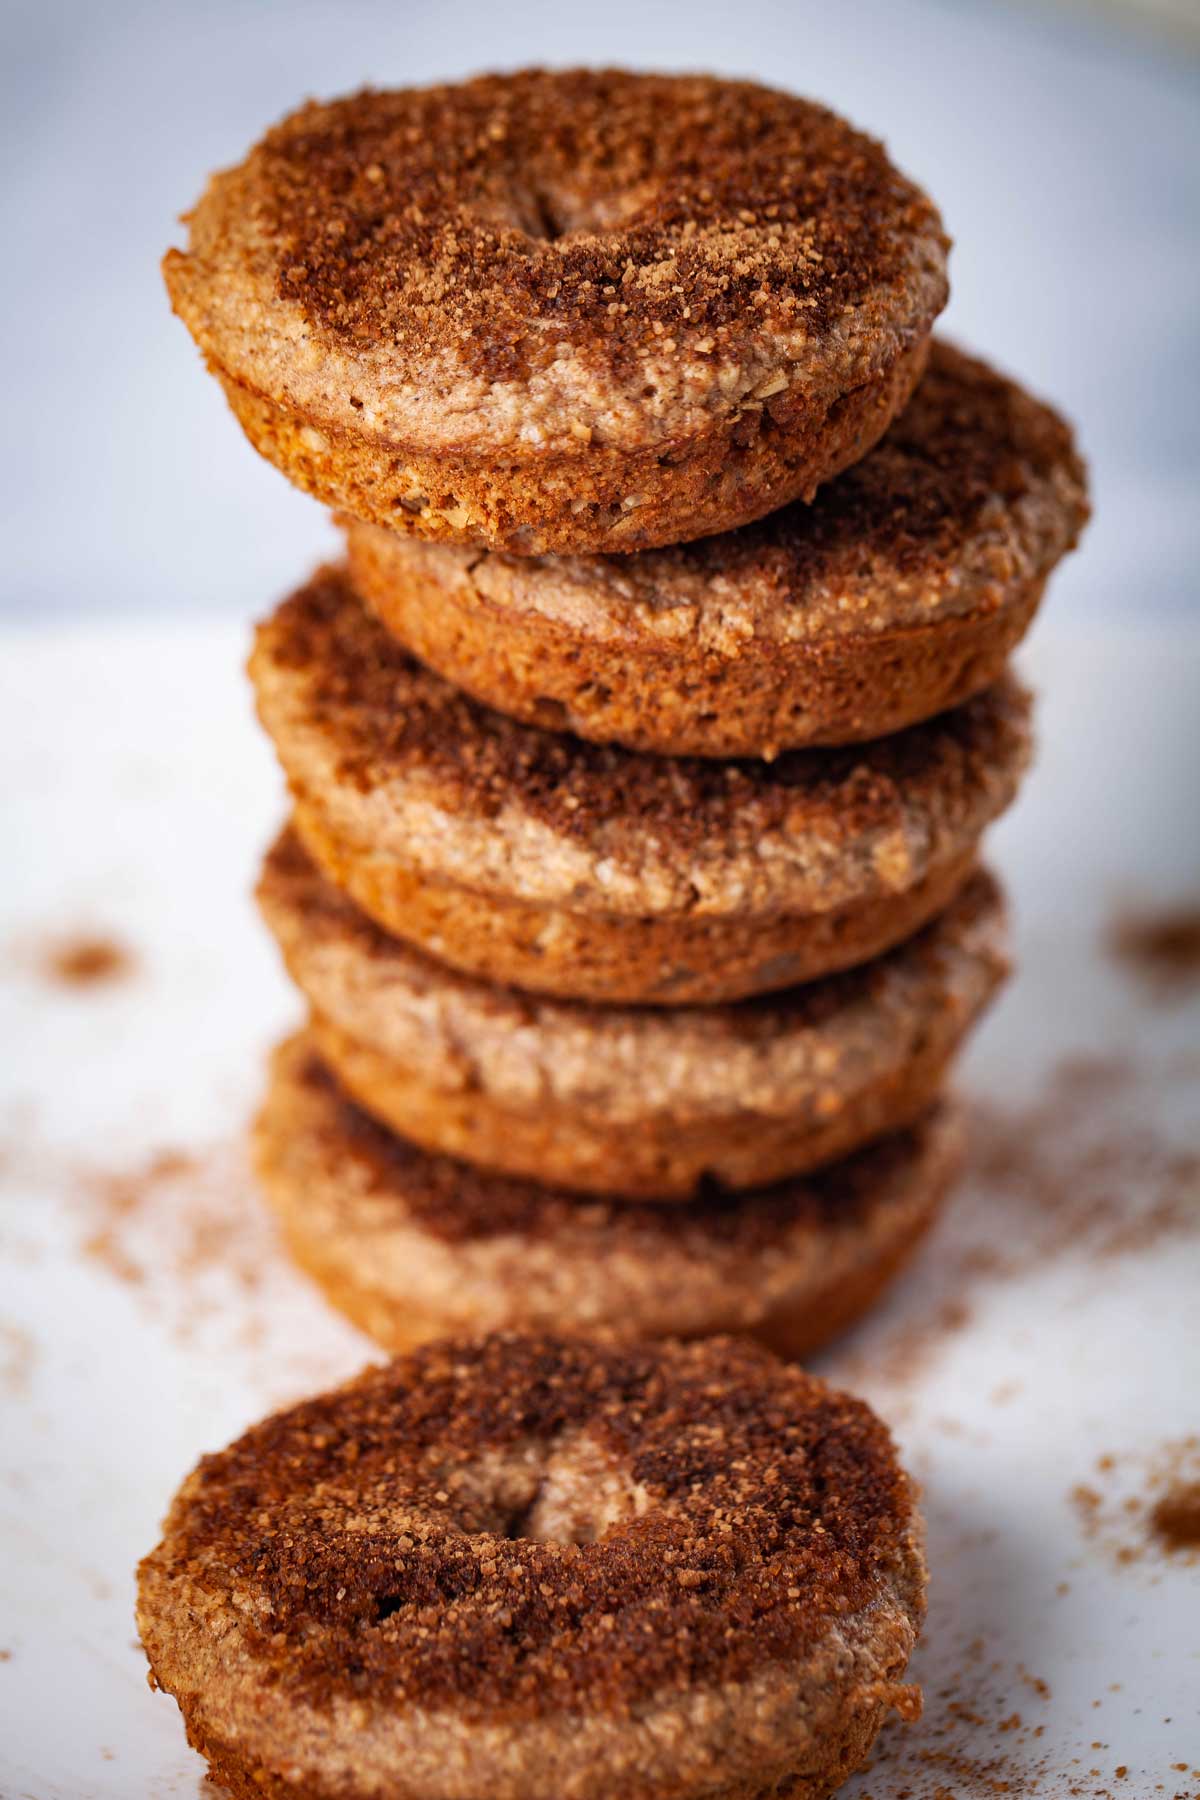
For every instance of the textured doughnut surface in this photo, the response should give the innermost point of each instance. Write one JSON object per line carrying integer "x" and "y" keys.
{"x": 631, "y": 1100}
{"x": 552, "y": 864}
{"x": 900, "y": 591}
{"x": 579, "y": 310}
{"x": 534, "y": 1567}
{"x": 411, "y": 1245}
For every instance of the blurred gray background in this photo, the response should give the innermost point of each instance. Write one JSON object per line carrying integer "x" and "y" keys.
{"x": 1062, "y": 143}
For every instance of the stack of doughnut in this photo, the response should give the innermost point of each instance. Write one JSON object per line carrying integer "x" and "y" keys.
{"x": 640, "y": 750}
{"x": 641, "y": 747}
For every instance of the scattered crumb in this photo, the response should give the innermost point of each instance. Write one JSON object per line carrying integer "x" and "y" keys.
{"x": 86, "y": 961}
{"x": 18, "y": 1353}
{"x": 171, "y": 1223}
{"x": 1161, "y": 948}
{"x": 1175, "y": 1516}
{"x": 185, "y": 1231}
{"x": 1086, "y": 1175}
{"x": 117, "y": 1202}
{"x": 1143, "y": 1506}
{"x": 5, "y": 1656}
{"x": 940, "y": 1757}
{"x": 906, "y": 1351}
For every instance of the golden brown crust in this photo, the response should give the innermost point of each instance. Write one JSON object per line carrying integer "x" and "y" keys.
{"x": 674, "y": 701}
{"x": 375, "y": 739}
{"x": 656, "y": 1159}
{"x": 530, "y": 1565}
{"x": 845, "y": 1747}
{"x": 621, "y": 960}
{"x": 411, "y": 1245}
{"x": 507, "y": 312}
{"x": 829, "y": 1303}
{"x": 735, "y": 474}
{"x": 450, "y": 823}
{"x": 899, "y": 592}
{"x": 643, "y": 1102}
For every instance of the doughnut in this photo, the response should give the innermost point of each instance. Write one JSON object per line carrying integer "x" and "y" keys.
{"x": 543, "y": 862}
{"x": 535, "y": 1566}
{"x": 410, "y": 1245}
{"x": 563, "y": 311}
{"x": 899, "y": 592}
{"x": 646, "y": 1103}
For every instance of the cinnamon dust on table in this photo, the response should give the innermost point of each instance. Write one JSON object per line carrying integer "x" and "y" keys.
{"x": 18, "y": 1356}
{"x": 1161, "y": 948}
{"x": 1175, "y": 1516}
{"x": 186, "y": 1232}
{"x": 86, "y": 961}
{"x": 183, "y": 1228}
{"x": 189, "y": 1234}
{"x": 1138, "y": 1506}
{"x": 1085, "y": 1175}
{"x": 971, "y": 1743}
{"x": 174, "y": 1219}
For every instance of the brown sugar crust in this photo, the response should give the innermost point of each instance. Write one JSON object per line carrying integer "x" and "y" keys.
{"x": 563, "y": 311}
{"x": 899, "y": 592}
{"x": 647, "y": 1103}
{"x": 598, "y": 872}
{"x": 531, "y": 1566}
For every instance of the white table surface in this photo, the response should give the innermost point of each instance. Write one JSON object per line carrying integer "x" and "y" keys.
{"x": 136, "y": 798}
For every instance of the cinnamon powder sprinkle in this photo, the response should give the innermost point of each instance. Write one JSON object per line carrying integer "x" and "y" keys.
{"x": 173, "y": 1222}
{"x": 389, "y": 717}
{"x": 970, "y": 1743}
{"x": 1137, "y": 1507}
{"x": 368, "y": 1541}
{"x": 86, "y": 961}
{"x": 1161, "y": 948}
{"x": 18, "y": 1355}
{"x": 1176, "y": 1517}
{"x": 184, "y": 1232}
{"x": 1087, "y": 1174}
{"x": 590, "y": 209}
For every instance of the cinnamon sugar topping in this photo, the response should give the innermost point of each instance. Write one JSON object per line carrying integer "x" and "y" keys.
{"x": 376, "y": 1537}
{"x": 389, "y": 714}
{"x": 969, "y": 454}
{"x": 516, "y": 216}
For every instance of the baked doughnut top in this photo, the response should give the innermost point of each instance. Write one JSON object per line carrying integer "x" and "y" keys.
{"x": 531, "y": 1524}
{"x": 627, "y": 1063}
{"x": 975, "y": 492}
{"x": 459, "y": 1204}
{"x": 403, "y": 761}
{"x": 548, "y": 258}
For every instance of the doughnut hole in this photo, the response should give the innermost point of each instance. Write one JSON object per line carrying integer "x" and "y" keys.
{"x": 548, "y": 206}
{"x": 570, "y": 1490}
